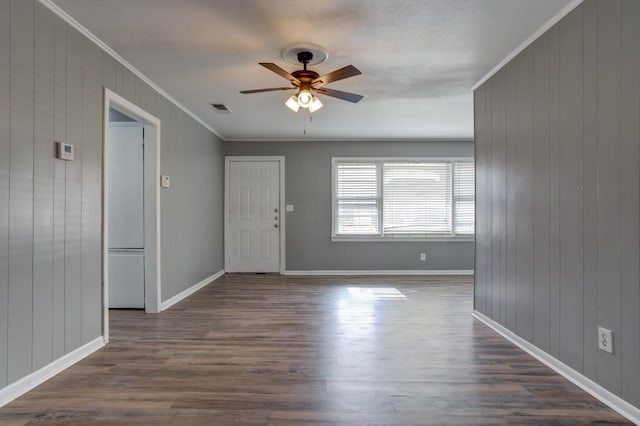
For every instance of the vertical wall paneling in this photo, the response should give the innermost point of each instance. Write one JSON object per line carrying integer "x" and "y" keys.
{"x": 119, "y": 82}
{"x": 541, "y": 194}
{"x": 498, "y": 141}
{"x": 554, "y": 192}
{"x": 480, "y": 277}
{"x": 572, "y": 182}
{"x": 609, "y": 184}
{"x": 590, "y": 194}
{"x": 489, "y": 207}
{"x": 21, "y": 192}
{"x": 59, "y": 186}
{"x": 570, "y": 132}
{"x": 73, "y": 197}
{"x": 91, "y": 189}
{"x": 43, "y": 187}
{"x": 129, "y": 85}
{"x": 108, "y": 69}
{"x": 524, "y": 194}
{"x": 5, "y": 150}
{"x": 140, "y": 95}
{"x": 629, "y": 340}
{"x": 511, "y": 204}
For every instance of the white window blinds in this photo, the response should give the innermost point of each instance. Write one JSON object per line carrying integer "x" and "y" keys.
{"x": 403, "y": 198}
{"x": 464, "y": 190}
{"x": 417, "y": 198}
{"x": 357, "y": 199}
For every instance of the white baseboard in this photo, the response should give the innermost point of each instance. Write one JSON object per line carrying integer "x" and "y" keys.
{"x": 188, "y": 292}
{"x": 24, "y": 385}
{"x": 613, "y": 401}
{"x": 382, "y": 272}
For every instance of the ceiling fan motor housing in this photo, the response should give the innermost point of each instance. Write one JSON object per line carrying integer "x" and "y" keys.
{"x": 305, "y": 76}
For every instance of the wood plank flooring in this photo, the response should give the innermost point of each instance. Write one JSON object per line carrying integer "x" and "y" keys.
{"x": 282, "y": 350}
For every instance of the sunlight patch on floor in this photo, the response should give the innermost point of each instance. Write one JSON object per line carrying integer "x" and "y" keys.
{"x": 375, "y": 293}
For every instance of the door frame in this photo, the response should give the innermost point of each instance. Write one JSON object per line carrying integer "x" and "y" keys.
{"x": 152, "y": 258}
{"x": 227, "y": 241}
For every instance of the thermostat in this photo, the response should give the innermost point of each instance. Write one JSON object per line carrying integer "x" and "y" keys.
{"x": 64, "y": 151}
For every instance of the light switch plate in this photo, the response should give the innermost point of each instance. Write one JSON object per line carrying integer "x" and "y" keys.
{"x": 289, "y": 207}
{"x": 605, "y": 339}
{"x": 165, "y": 181}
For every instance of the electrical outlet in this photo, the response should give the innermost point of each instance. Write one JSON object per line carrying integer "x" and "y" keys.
{"x": 165, "y": 181}
{"x": 423, "y": 257}
{"x": 605, "y": 340}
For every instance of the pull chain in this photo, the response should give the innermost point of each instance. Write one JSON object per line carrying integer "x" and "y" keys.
{"x": 304, "y": 121}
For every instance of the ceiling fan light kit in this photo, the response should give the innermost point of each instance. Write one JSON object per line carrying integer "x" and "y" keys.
{"x": 292, "y": 103}
{"x": 315, "y": 104}
{"x": 307, "y": 82}
{"x": 305, "y": 98}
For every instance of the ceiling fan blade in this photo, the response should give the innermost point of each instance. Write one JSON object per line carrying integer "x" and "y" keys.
{"x": 339, "y": 74}
{"x": 273, "y": 89}
{"x": 281, "y": 72}
{"x": 345, "y": 96}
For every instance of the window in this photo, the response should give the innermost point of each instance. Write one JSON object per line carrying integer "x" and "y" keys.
{"x": 402, "y": 198}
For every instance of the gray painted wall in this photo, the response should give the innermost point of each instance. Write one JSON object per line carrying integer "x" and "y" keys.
{"x": 51, "y": 82}
{"x": 558, "y": 206}
{"x": 308, "y": 188}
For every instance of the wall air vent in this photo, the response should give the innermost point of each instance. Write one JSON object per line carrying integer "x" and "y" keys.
{"x": 221, "y": 108}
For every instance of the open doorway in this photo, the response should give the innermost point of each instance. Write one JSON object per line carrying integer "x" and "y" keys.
{"x": 131, "y": 206}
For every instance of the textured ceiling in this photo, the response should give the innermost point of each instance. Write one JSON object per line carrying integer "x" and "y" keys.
{"x": 419, "y": 58}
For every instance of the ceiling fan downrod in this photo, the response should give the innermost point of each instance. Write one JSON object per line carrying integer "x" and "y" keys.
{"x": 304, "y": 58}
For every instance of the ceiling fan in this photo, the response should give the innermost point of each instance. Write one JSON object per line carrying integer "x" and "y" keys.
{"x": 307, "y": 82}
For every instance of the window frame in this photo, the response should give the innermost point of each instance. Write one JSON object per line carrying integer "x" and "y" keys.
{"x": 381, "y": 238}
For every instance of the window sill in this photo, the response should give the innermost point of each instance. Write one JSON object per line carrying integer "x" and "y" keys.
{"x": 376, "y": 239}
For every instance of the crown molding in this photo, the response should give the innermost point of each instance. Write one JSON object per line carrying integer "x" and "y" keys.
{"x": 533, "y": 37}
{"x": 101, "y": 44}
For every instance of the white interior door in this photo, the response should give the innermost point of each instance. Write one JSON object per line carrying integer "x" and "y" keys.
{"x": 254, "y": 216}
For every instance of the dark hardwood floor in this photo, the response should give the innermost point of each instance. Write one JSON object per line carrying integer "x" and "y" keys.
{"x": 272, "y": 350}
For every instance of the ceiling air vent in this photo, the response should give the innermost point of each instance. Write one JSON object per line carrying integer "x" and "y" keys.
{"x": 221, "y": 108}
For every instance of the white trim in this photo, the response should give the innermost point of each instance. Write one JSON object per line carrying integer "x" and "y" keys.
{"x": 24, "y": 385}
{"x": 101, "y": 44}
{"x": 383, "y": 272}
{"x": 188, "y": 292}
{"x": 402, "y": 159}
{"x": 281, "y": 160}
{"x": 400, "y": 139}
{"x": 379, "y": 239}
{"x": 152, "y": 253}
{"x": 533, "y": 37}
{"x": 613, "y": 401}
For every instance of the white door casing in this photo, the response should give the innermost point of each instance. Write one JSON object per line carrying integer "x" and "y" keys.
{"x": 254, "y": 233}
{"x": 152, "y": 251}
